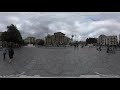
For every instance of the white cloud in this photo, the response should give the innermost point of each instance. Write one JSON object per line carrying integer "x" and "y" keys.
{"x": 13, "y": 18}
{"x": 81, "y": 24}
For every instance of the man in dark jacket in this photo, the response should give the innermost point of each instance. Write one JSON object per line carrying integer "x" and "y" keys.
{"x": 11, "y": 53}
{"x": 108, "y": 49}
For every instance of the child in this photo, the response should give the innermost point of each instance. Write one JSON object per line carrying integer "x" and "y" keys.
{"x": 4, "y": 52}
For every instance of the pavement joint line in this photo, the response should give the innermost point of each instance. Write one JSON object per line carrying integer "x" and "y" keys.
{"x": 103, "y": 75}
{"x": 17, "y": 75}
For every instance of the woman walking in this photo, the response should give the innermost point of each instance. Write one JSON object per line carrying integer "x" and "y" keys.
{"x": 4, "y": 52}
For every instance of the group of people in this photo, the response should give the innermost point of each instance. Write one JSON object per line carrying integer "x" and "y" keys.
{"x": 99, "y": 49}
{"x": 109, "y": 49}
{"x": 9, "y": 51}
{"x": 76, "y": 45}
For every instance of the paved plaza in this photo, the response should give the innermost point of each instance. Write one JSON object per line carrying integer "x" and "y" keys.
{"x": 60, "y": 62}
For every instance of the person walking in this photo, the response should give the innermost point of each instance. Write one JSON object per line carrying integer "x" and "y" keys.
{"x": 77, "y": 45}
{"x": 74, "y": 45}
{"x": 100, "y": 48}
{"x": 108, "y": 49}
{"x": 113, "y": 49}
{"x": 4, "y": 52}
{"x": 11, "y": 53}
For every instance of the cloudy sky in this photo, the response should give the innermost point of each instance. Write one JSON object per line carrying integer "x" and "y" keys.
{"x": 80, "y": 24}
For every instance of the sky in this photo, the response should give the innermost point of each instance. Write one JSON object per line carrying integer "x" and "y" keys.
{"x": 80, "y": 24}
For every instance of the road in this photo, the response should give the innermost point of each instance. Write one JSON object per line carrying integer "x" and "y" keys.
{"x": 60, "y": 62}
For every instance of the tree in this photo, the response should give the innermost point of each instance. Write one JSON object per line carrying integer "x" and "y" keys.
{"x": 12, "y": 35}
{"x": 4, "y": 36}
{"x": 41, "y": 42}
{"x": 91, "y": 40}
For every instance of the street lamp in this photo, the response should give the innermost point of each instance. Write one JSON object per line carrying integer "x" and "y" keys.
{"x": 72, "y": 36}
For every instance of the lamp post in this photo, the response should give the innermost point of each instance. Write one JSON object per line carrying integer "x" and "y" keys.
{"x": 72, "y": 38}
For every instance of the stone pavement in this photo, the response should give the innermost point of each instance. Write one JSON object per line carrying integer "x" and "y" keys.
{"x": 60, "y": 62}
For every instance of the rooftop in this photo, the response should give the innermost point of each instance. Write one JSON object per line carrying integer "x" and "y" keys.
{"x": 59, "y": 33}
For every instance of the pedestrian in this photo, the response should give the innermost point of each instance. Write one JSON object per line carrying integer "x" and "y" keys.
{"x": 100, "y": 48}
{"x": 11, "y": 53}
{"x": 82, "y": 46}
{"x": 74, "y": 45}
{"x": 77, "y": 45}
{"x": 4, "y": 52}
{"x": 113, "y": 50}
{"x": 108, "y": 49}
{"x": 97, "y": 49}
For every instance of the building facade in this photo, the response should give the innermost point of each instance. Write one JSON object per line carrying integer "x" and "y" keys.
{"x": 107, "y": 40}
{"x": 37, "y": 41}
{"x": 57, "y": 39}
{"x": 30, "y": 40}
{"x": 111, "y": 40}
{"x": 101, "y": 40}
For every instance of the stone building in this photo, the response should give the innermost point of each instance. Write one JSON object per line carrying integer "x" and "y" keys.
{"x": 101, "y": 40}
{"x": 57, "y": 39}
{"x": 107, "y": 40}
{"x": 111, "y": 40}
{"x": 30, "y": 40}
{"x": 37, "y": 41}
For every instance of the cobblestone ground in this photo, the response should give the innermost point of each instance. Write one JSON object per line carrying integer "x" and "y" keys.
{"x": 60, "y": 62}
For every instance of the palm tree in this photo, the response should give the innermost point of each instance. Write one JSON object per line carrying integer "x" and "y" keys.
{"x": 72, "y": 38}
